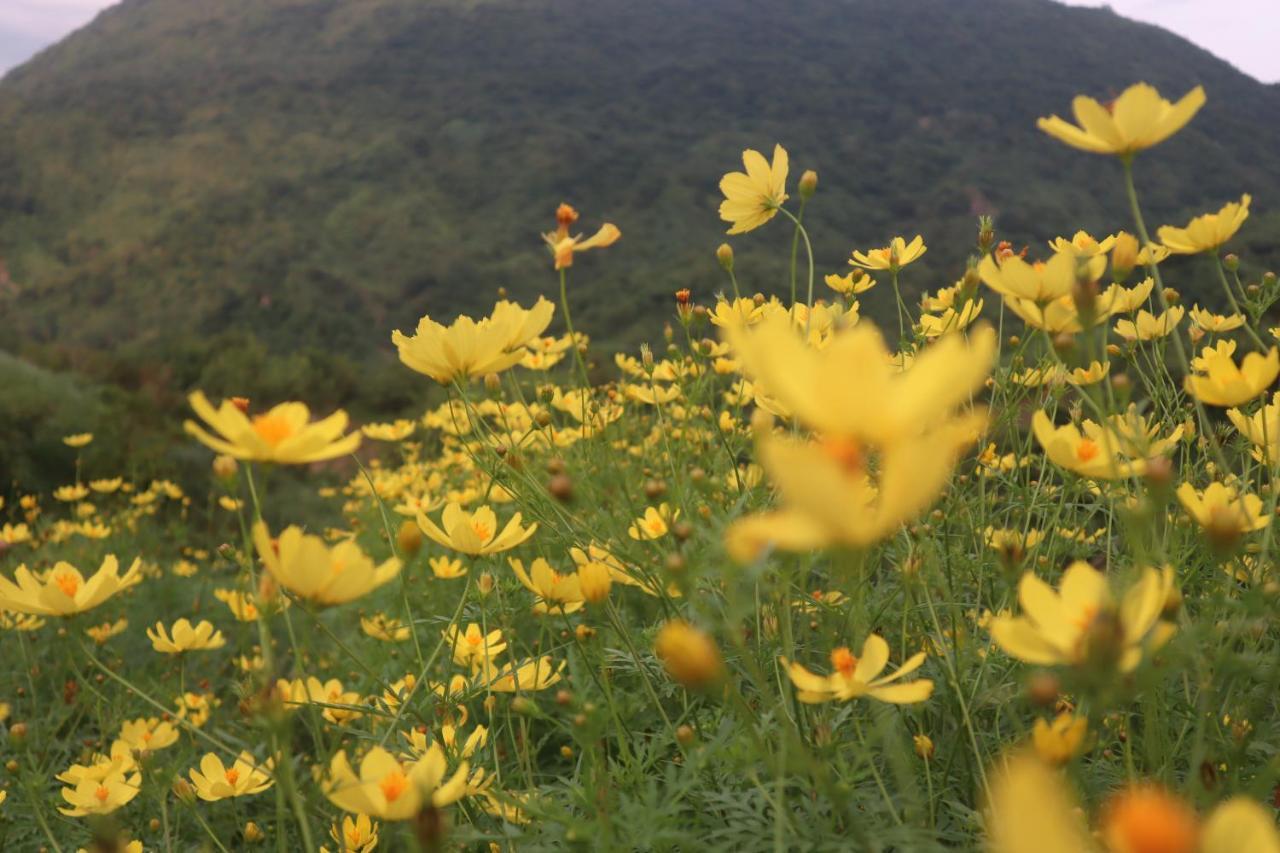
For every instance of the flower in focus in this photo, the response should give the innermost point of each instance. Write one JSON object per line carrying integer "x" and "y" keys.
{"x": 387, "y": 789}
{"x": 753, "y": 197}
{"x": 185, "y": 638}
{"x": 654, "y": 524}
{"x": 63, "y": 591}
{"x": 1225, "y": 513}
{"x": 1207, "y": 232}
{"x": 893, "y": 257}
{"x": 100, "y": 796}
{"x": 1098, "y": 455}
{"x": 1079, "y": 623}
{"x": 355, "y": 835}
{"x": 284, "y": 434}
{"x": 855, "y": 677}
{"x": 524, "y": 677}
{"x": 307, "y": 567}
{"x": 556, "y": 592}
{"x": 1222, "y": 383}
{"x": 215, "y": 781}
{"x": 475, "y": 532}
{"x": 148, "y": 733}
{"x": 1149, "y": 327}
{"x": 689, "y": 654}
{"x": 472, "y": 647}
{"x": 1216, "y": 323}
{"x": 1138, "y": 119}
{"x": 473, "y": 348}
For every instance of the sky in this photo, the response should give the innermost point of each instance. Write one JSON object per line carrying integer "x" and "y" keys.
{"x": 1246, "y": 33}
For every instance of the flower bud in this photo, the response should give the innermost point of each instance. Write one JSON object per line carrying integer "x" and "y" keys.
{"x": 561, "y": 488}
{"x": 183, "y": 791}
{"x": 1231, "y": 262}
{"x": 492, "y": 383}
{"x": 1171, "y": 296}
{"x": 689, "y": 655}
{"x": 724, "y": 254}
{"x": 224, "y": 467}
{"x": 485, "y": 584}
{"x": 409, "y": 539}
{"x": 1124, "y": 255}
{"x": 685, "y": 735}
{"x": 253, "y": 834}
{"x": 923, "y": 745}
{"x": 808, "y": 184}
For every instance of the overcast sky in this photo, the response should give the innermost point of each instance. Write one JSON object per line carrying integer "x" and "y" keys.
{"x": 1246, "y": 33}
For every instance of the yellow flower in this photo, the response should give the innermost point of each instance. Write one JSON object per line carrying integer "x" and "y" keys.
{"x": 335, "y": 699}
{"x": 1216, "y": 323}
{"x": 1098, "y": 456}
{"x": 893, "y": 257}
{"x": 1222, "y": 383}
{"x": 355, "y": 835}
{"x": 308, "y": 568}
{"x": 852, "y": 283}
{"x": 1262, "y": 429}
{"x": 476, "y": 532}
{"x": 654, "y": 524}
{"x": 387, "y": 789}
{"x": 147, "y": 734}
{"x": 14, "y": 534}
{"x": 1079, "y": 623}
{"x": 63, "y": 590}
{"x": 1138, "y": 119}
{"x": 91, "y": 796}
{"x": 215, "y": 781}
{"x": 524, "y": 677}
{"x": 563, "y": 247}
{"x": 80, "y": 439}
{"x": 446, "y": 568}
{"x": 394, "y": 431}
{"x": 557, "y": 593}
{"x": 1091, "y": 375}
{"x": 195, "y": 707}
{"x": 855, "y": 677}
{"x": 71, "y": 494}
{"x": 1150, "y": 327}
{"x": 1208, "y": 232}
{"x": 101, "y": 633}
{"x": 595, "y": 579}
{"x": 689, "y": 655}
{"x": 107, "y": 487}
{"x": 1031, "y": 810}
{"x": 1011, "y": 545}
{"x": 934, "y": 326}
{"x": 1223, "y": 511}
{"x": 1059, "y": 741}
{"x": 470, "y": 348}
{"x": 472, "y": 647}
{"x": 185, "y": 638}
{"x": 284, "y": 434}
{"x": 380, "y": 626}
{"x": 1082, "y": 243}
{"x": 753, "y": 197}
{"x": 1043, "y": 281}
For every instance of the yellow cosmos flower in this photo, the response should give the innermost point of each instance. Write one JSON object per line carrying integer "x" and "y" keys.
{"x": 855, "y": 677}
{"x": 1084, "y": 244}
{"x": 1059, "y": 741}
{"x": 753, "y": 197}
{"x": 307, "y": 567}
{"x": 1150, "y": 327}
{"x": 382, "y": 627}
{"x": 689, "y": 654}
{"x": 556, "y": 592}
{"x": 563, "y": 246}
{"x": 1222, "y": 383}
{"x": 1098, "y": 456}
{"x": 388, "y": 789}
{"x": 851, "y": 389}
{"x": 1059, "y": 315}
{"x": 893, "y": 257}
{"x": 285, "y": 434}
{"x": 101, "y": 633}
{"x": 215, "y": 781}
{"x": 107, "y": 487}
{"x": 1126, "y": 300}
{"x": 852, "y": 283}
{"x": 91, "y": 796}
{"x": 527, "y": 676}
{"x": 63, "y": 591}
{"x": 1216, "y": 323}
{"x": 80, "y": 439}
{"x": 1224, "y": 512}
{"x": 1012, "y": 545}
{"x": 472, "y": 647}
{"x": 1138, "y": 119}
{"x": 470, "y": 348}
{"x": 1207, "y": 232}
{"x": 71, "y": 494}
{"x": 446, "y": 568}
{"x": 354, "y": 835}
{"x": 934, "y": 326}
{"x": 1042, "y": 281}
{"x": 1262, "y": 429}
{"x": 654, "y": 524}
{"x": 1091, "y": 375}
{"x": 393, "y": 431}
{"x": 14, "y": 534}
{"x": 147, "y": 734}
{"x": 185, "y": 638}
{"x": 1080, "y": 623}
{"x": 476, "y": 532}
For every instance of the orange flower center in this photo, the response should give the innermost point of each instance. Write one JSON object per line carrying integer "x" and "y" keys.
{"x": 272, "y": 428}
{"x": 232, "y": 776}
{"x": 1087, "y": 614}
{"x": 393, "y": 785}
{"x": 146, "y": 737}
{"x": 475, "y": 639}
{"x": 68, "y": 583}
{"x": 656, "y": 526}
{"x": 844, "y": 661}
{"x": 845, "y": 452}
{"x": 102, "y": 793}
{"x": 482, "y": 531}
{"x": 1087, "y": 450}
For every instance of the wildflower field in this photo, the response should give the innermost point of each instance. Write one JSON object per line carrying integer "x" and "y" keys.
{"x": 998, "y": 576}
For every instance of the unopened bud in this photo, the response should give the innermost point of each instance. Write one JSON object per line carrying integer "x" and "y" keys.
{"x": 485, "y": 584}
{"x": 561, "y": 488}
{"x": 224, "y": 467}
{"x": 1171, "y": 296}
{"x": 923, "y": 746}
{"x": 183, "y": 791}
{"x": 1124, "y": 255}
{"x": 1043, "y": 689}
{"x": 808, "y": 184}
{"x": 724, "y": 254}
{"x": 654, "y": 489}
{"x": 253, "y": 834}
{"x": 492, "y": 383}
{"x": 689, "y": 655}
{"x": 409, "y": 539}
{"x": 1231, "y": 262}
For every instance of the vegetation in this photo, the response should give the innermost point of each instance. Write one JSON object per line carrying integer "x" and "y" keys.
{"x": 789, "y": 583}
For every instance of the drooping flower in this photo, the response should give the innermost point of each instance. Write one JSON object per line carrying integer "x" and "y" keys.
{"x": 215, "y": 781}
{"x": 310, "y": 569}
{"x": 388, "y": 789}
{"x": 1081, "y": 623}
{"x": 183, "y": 637}
{"x": 1138, "y": 119}
{"x": 855, "y": 677}
{"x": 63, "y": 591}
{"x": 285, "y": 434}
{"x": 753, "y": 197}
{"x": 1208, "y": 231}
{"x": 475, "y": 532}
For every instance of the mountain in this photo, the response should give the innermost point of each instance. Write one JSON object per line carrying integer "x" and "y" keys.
{"x": 180, "y": 179}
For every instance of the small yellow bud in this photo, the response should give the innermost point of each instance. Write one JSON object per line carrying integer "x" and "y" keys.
{"x": 409, "y": 539}
{"x": 492, "y": 383}
{"x": 689, "y": 655}
{"x": 183, "y": 791}
{"x": 724, "y": 254}
{"x": 808, "y": 184}
{"x": 224, "y": 467}
{"x": 485, "y": 584}
{"x": 1124, "y": 255}
{"x": 923, "y": 746}
{"x": 253, "y": 833}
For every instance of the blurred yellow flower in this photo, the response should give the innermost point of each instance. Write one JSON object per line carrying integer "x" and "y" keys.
{"x": 753, "y": 197}
{"x": 655, "y": 522}
{"x": 355, "y": 835}
{"x": 689, "y": 654}
{"x": 563, "y": 246}
{"x": 1207, "y": 232}
{"x": 382, "y": 627}
{"x": 855, "y": 677}
{"x": 80, "y": 439}
{"x": 1098, "y": 455}
{"x": 1138, "y": 119}
{"x": 101, "y": 633}
{"x": 307, "y": 567}
{"x": 285, "y": 434}
{"x": 1223, "y": 511}
{"x": 1059, "y": 741}
{"x": 524, "y": 677}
